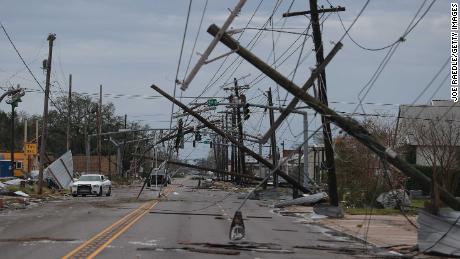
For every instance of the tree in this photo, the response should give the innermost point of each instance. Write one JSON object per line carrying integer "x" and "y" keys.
{"x": 360, "y": 173}
{"x": 437, "y": 144}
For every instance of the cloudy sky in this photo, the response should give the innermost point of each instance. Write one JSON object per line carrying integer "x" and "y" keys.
{"x": 128, "y": 45}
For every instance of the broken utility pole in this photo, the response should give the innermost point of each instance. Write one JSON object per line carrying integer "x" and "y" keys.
{"x": 273, "y": 137}
{"x": 322, "y": 96}
{"x": 349, "y": 125}
{"x": 51, "y": 39}
{"x": 213, "y": 127}
{"x": 213, "y": 44}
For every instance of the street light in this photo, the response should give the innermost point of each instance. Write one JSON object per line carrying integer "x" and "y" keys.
{"x": 15, "y": 95}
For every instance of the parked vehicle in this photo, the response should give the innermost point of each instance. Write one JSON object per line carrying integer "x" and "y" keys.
{"x": 91, "y": 184}
{"x": 158, "y": 177}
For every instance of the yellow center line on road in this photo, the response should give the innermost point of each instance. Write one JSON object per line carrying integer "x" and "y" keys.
{"x": 98, "y": 242}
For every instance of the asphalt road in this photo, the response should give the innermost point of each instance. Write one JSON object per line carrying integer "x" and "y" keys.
{"x": 188, "y": 222}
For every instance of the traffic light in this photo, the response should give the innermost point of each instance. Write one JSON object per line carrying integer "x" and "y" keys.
{"x": 197, "y": 136}
{"x": 15, "y": 97}
{"x": 180, "y": 135}
{"x": 246, "y": 111}
{"x": 245, "y": 107}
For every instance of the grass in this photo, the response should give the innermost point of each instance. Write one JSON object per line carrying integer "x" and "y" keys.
{"x": 415, "y": 206}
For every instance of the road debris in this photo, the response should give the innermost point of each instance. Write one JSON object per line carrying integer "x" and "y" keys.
{"x": 307, "y": 200}
{"x": 21, "y": 193}
{"x": 439, "y": 233}
{"x": 328, "y": 210}
{"x": 244, "y": 246}
{"x": 237, "y": 230}
{"x": 356, "y": 251}
{"x": 14, "y": 182}
{"x": 186, "y": 213}
{"x": 191, "y": 249}
{"x": 393, "y": 199}
{"x": 33, "y": 239}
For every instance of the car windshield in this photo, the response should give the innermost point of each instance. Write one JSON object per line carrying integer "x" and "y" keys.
{"x": 90, "y": 178}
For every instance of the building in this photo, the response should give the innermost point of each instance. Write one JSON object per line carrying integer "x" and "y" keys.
{"x": 23, "y": 163}
{"x": 429, "y": 133}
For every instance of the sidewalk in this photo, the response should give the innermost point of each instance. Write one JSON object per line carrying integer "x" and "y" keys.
{"x": 380, "y": 230}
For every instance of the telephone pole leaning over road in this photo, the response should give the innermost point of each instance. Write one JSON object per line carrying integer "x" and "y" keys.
{"x": 50, "y": 39}
{"x": 273, "y": 137}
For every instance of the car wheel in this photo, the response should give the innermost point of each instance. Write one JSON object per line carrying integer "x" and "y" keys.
{"x": 74, "y": 194}
{"x": 109, "y": 192}
{"x": 83, "y": 195}
{"x": 100, "y": 191}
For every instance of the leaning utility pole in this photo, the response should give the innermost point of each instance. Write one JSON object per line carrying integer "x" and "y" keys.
{"x": 69, "y": 113}
{"x": 273, "y": 137}
{"x": 230, "y": 138}
{"x": 242, "y": 160}
{"x": 51, "y": 39}
{"x": 349, "y": 125}
{"x": 322, "y": 96}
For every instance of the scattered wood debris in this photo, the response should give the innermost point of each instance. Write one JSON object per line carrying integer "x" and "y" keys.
{"x": 244, "y": 246}
{"x": 191, "y": 249}
{"x": 186, "y": 213}
{"x": 31, "y": 239}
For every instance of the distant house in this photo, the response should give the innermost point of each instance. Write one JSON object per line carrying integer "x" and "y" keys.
{"x": 430, "y": 133}
{"x": 316, "y": 157}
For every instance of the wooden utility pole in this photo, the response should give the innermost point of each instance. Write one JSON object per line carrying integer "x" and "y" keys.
{"x": 242, "y": 160}
{"x": 234, "y": 157}
{"x": 349, "y": 125}
{"x": 50, "y": 39}
{"x": 322, "y": 94}
{"x": 69, "y": 113}
{"x": 12, "y": 140}
{"x": 99, "y": 129}
{"x": 273, "y": 136}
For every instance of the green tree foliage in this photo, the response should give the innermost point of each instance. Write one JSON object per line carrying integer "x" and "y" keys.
{"x": 83, "y": 120}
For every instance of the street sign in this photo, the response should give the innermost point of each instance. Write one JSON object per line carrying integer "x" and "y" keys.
{"x": 31, "y": 149}
{"x": 212, "y": 102}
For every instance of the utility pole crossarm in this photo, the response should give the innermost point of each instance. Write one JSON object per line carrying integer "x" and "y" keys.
{"x": 349, "y": 125}
{"x": 324, "y": 10}
{"x": 212, "y": 45}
